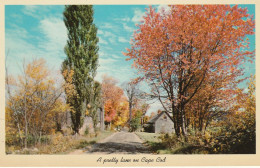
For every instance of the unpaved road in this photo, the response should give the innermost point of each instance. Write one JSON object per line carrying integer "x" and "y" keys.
{"x": 117, "y": 143}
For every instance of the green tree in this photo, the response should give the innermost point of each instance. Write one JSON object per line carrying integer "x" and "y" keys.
{"x": 135, "y": 123}
{"x": 96, "y": 103}
{"x": 82, "y": 58}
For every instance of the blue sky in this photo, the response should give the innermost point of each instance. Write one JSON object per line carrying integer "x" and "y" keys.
{"x": 39, "y": 32}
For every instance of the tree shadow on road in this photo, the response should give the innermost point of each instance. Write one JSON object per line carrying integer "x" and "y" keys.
{"x": 114, "y": 148}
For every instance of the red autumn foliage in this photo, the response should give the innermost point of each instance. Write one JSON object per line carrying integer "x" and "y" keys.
{"x": 180, "y": 51}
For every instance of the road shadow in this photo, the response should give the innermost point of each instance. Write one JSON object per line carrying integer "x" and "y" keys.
{"x": 114, "y": 147}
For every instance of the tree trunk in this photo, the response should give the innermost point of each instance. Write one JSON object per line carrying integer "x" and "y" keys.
{"x": 102, "y": 119}
{"x": 175, "y": 122}
{"x": 183, "y": 122}
{"x": 40, "y": 137}
{"x": 26, "y": 133}
{"x": 183, "y": 127}
{"x": 130, "y": 112}
{"x": 20, "y": 135}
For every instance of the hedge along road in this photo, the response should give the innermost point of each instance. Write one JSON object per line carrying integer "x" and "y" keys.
{"x": 118, "y": 143}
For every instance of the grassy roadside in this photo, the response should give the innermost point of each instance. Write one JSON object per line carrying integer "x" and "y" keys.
{"x": 154, "y": 141}
{"x": 87, "y": 141}
{"x": 170, "y": 144}
{"x": 59, "y": 144}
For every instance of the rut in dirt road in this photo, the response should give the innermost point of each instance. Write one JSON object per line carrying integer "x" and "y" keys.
{"x": 120, "y": 143}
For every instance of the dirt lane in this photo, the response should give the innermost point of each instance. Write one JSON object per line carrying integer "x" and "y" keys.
{"x": 120, "y": 143}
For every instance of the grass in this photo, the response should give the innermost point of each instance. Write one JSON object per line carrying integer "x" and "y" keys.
{"x": 84, "y": 141}
{"x": 151, "y": 137}
{"x": 154, "y": 141}
{"x": 159, "y": 144}
{"x": 59, "y": 144}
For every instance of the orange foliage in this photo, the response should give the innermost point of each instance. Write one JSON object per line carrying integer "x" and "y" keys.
{"x": 112, "y": 95}
{"x": 182, "y": 51}
{"x": 110, "y": 111}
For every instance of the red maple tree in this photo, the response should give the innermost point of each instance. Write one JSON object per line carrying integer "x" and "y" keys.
{"x": 178, "y": 51}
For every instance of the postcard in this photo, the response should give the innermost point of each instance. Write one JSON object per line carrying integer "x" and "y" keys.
{"x": 109, "y": 83}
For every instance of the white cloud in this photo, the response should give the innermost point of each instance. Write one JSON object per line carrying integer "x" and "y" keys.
{"x": 100, "y": 32}
{"x": 106, "y": 55}
{"x": 117, "y": 71}
{"x": 108, "y": 34}
{"x": 124, "y": 19}
{"x": 107, "y": 26}
{"x": 21, "y": 44}
{"x": 101, "y": 54}
{"x": 115, "y": 56}
{"x": 55, "y": 34}
{"x": 49, "y": 39}
{"x": 112, "y": 39}
{"x": 104, "y": 61}
{"x": 113, "y": 65}
{"x": 30, "y": 10}
{"x": 41, "y": 11}
{"x": 102, "y": 41}
{"x": 128, "y": 28}
{"x": 122, "y": 40}
{"x": 138, "y": 15}
{"x": 106, "y": 66}
{"x": 18, "y": 48}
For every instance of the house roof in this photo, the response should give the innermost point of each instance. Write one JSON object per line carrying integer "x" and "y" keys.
{"x": 153, "y": 120}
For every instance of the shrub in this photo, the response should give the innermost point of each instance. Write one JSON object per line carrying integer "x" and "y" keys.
{"x": 86, "y": 131}
{"x": 135, "y": 124}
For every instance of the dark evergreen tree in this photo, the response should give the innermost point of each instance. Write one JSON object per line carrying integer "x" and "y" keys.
{"x": 82, "y": 58}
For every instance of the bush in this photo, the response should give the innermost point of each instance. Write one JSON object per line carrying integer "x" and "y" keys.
{"x": 193, "y": 144}
{"x": 235, "y": 141}
{"x": 86, "y": 131}
{"x": 135, "y": 124}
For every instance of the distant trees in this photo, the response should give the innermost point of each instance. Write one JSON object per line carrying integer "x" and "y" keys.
{"x": 113, "y": 96}
{"x": 139, "y": 112}
{"x": 132, "y": 91}
{"x": 117, "y": 105}
{"x": 181, "y": 52}
{"x": 121, "y": 114}
{"x": 33, "y": 103}
{"x": 82, "y": 60}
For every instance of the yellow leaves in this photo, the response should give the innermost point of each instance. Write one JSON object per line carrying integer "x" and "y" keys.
{"x": 37, "y": 70}
{"x": 60, "y": 107}
{"x": 87, "y": 112}
{"x": 122, "y": 113}
{"x": 207, "y": 135}
{"x": 88, "y": 109}
{"x": 35, "y": 101}
{"x": 68, "y": 75}
{"x": 69, "y": 86}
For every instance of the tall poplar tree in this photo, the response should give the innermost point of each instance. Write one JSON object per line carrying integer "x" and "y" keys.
{"x": 82, "y": 58}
